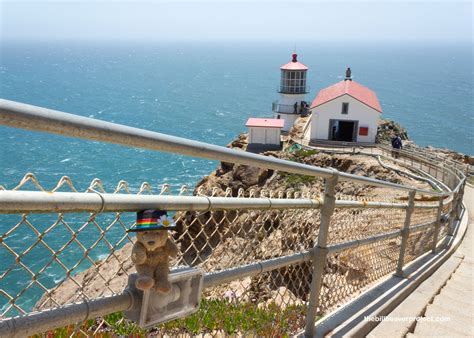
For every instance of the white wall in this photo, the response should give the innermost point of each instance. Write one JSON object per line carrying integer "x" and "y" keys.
{"x": 262, "y": 135}
{"x": 289, "y": 100}
{"x": 358, "y": 111}
{"x": 289, "y": 120}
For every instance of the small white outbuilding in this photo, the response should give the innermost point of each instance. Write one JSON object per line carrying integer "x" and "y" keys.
{"x": 264, "y": 134}
{"x": 346, "y": 111}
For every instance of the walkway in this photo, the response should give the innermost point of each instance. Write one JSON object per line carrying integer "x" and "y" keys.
{"x": 456, "y": 298}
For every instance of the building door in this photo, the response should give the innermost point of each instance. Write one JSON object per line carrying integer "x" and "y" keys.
{"x": 341, "y": 130}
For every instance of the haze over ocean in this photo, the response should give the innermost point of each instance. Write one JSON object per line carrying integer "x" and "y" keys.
{"x": 203, "y": 91}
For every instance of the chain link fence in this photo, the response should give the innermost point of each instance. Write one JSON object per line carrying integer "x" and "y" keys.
{"x": 56, "y": 259}
{"x": 68, "y": 257}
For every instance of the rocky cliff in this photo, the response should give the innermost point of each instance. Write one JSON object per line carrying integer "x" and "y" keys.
{"x": 216, "y": 240}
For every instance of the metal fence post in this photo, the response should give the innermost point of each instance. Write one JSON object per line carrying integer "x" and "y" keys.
{"x": 320, "y": 254}
{"x": 405, "y": 233}
{"x": 437, "y": 225}
{"x": 452, "y": 214}
{"x": 459, "y": 201}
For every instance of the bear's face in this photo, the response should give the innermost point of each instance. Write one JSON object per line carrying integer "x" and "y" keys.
{"x": 152, "y": 240}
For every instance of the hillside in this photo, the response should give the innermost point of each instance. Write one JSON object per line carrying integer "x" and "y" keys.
{"x": 218, "y": 240}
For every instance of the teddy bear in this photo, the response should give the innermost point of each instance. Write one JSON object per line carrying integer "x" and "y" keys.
{"x": 152, "y": 250}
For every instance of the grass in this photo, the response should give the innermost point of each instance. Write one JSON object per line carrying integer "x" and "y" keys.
{"x": 301, "y": 153}
{"x": 294, "y": 180}
{"x": 232, "y": 318}
{"x": 213, "y": 315}
{"x": 470, "y": 180}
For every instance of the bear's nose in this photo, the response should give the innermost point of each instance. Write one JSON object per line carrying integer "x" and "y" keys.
{"x": 151, "y": 242}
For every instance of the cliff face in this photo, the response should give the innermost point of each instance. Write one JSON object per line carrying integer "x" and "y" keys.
{"x": 217, "y": 240}
{"x": 388, "y": 129}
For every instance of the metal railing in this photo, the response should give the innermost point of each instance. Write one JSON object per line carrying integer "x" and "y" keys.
{"x": 288, "y": 109}
{"x": 285, "y": 255}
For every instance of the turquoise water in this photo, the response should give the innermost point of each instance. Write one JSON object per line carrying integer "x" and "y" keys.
{"x": 204, "y": 92}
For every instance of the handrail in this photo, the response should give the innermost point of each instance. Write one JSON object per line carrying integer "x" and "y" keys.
{"x": 45, "y": 202}
{"x": 460, "y": 175}
{"x": 20, "y": 115}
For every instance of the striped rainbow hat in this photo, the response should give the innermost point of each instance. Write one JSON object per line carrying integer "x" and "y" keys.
{"x": 153, "y": 220}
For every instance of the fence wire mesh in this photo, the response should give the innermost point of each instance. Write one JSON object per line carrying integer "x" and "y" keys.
{"x": 65, "y": 258}
{"x": 349, "y": 272}
{"x": 49, "y": 260}
{"x": 358, "y": 223}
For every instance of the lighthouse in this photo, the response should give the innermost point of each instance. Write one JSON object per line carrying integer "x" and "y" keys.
{"x": 292, "y": 89}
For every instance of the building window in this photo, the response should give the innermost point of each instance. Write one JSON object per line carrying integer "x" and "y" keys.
{"x": 293, "y": 82}
{"x": 278, "y": 117}
{"x": 345, "y": 108}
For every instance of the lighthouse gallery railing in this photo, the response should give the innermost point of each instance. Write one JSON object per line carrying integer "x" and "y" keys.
{"x": 335, "y": 245}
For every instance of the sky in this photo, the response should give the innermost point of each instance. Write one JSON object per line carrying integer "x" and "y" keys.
{"x": 261, "y": 20}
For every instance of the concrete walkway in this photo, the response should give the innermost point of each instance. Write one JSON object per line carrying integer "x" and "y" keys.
{"x": 455, "y": 302}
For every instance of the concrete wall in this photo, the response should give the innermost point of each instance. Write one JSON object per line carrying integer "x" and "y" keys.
{"x": 358, "y": 111}
{"x": 289, "y": 99}
{"x": 261, "y": 135}
{"x": 289, "y": 120}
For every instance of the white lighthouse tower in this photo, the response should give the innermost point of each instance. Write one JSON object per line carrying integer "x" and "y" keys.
{"x": 292, "y": 93}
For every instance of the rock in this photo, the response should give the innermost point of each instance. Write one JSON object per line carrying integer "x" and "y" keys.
{"x": 249, "y": 176}
{"x": 282, "y": 297}
{"x": 103, "y": 279}
{"x": 239, "y": 143}
{"x": 387, "y": 129}
{"x": 237, "y": 289}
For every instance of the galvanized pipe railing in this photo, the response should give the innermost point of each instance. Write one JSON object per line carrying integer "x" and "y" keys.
{"x": 456, "y": 174}
{"x": 14, "y": 202}
{"x": 42, "y": 321}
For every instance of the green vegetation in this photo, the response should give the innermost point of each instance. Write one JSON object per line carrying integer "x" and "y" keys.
{"x": 470, "y": 180}
{"x": 301, "y": 153}
{"x": 230, "y": 317}
{"x": 213, "y": 315}
{"x": 294, "y": 180}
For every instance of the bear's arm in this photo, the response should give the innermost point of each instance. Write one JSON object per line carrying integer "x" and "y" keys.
{"x": 138, "y": 253}
{"x": 171, "y": 248}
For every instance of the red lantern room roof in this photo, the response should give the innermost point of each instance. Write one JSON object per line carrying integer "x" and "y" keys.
{"x": 294, "y": 64}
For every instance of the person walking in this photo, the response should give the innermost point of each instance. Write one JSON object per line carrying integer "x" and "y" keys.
{"x": 396, "y": 146}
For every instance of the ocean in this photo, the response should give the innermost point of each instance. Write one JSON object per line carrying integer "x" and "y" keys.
{"x": 202, "y": 91}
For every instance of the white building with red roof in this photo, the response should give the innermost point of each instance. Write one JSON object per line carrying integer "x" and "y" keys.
{"x": 346, "y": 111}
{"x": 292, "y": 89}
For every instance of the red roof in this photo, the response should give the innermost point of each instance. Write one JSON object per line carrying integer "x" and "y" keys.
{"x": 351, "y": 88}
{"x": 294, "y": 64}
{"x": 267, "y": 123}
